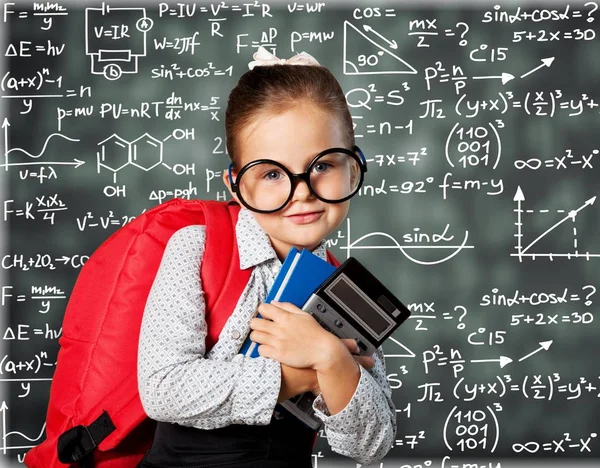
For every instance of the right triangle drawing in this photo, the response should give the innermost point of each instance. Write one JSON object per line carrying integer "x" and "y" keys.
{"x": 368, "y": 57}
{"x": 406, "y": 353}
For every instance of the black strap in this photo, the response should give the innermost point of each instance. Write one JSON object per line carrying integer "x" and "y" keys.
{"x": 76, "y": 444}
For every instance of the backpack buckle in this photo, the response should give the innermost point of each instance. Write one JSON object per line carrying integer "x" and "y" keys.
{"x": 83, "y": 447}
{"x": 75, "y": 444}
{"x": 78, "y": 442}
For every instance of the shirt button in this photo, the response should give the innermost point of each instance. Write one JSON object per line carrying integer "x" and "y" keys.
{"x": 235, "y": 334}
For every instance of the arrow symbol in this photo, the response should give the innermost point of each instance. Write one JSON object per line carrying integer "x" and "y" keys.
{"x": 503, "y": 360}
{"x": 5, "y": 126}
{"x": 519, "y": 198}
{"x": 545, "y": 63}
{"x": 3, "y": 408}
{"x": 505, "y": 77}
{"x": 543, "y": 345}
{"x": 76, "y": 163}
{"x": 392, "y": 44}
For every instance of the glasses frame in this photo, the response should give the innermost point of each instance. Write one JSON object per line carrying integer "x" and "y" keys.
{"x": 305, "y": 176}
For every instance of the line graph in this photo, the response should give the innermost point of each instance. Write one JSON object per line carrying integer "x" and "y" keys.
{"x": 5, "y": 434}
{"x": 352, "y": 245}
{"x": 571, "y": 215}
{"x": 6, "y": 124}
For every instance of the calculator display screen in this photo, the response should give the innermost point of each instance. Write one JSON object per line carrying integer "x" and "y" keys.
{"x": 348, "y": 296}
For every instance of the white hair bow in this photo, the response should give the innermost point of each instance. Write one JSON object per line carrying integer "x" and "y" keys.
{"x": 262, "y": 57}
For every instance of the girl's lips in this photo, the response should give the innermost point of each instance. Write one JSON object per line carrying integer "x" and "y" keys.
{"x": 305, "y": 218}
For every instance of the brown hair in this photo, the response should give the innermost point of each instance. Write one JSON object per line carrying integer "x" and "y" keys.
{"x": 275, "y": 89}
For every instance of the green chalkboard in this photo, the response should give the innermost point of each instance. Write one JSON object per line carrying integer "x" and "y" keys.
{"x": 479, "y": 122}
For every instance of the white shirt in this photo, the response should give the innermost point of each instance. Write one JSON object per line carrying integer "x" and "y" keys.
{"x": 181, "y": 383}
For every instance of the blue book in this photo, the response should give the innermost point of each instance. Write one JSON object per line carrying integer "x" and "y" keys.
{"x": 301, "y": 273}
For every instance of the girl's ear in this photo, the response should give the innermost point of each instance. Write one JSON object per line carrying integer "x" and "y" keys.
{"x": 228, "y": 185}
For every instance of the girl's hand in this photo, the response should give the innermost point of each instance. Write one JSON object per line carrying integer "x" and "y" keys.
{"x": 291, "y": 336}
{"x": 366, "y": 361}
{"x": 295, "y": 381}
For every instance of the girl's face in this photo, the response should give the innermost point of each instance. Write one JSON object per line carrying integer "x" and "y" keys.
{"x": 294, "y": 138}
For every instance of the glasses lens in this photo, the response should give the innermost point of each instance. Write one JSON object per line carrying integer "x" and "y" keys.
{"x": 335, "y": 176}
{"x": 264, "y": 186}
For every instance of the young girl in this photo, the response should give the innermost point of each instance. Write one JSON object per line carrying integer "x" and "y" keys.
{"x": 285, "y": 121}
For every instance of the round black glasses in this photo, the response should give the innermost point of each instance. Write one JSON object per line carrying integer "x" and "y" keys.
{"x": 333, "y": 176}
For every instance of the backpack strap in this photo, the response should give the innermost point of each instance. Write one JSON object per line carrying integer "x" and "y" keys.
{"x": 223, "y": 282}
{"x": 331, "y": 259}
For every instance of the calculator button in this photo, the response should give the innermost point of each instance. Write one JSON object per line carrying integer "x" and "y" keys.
{"x": 361, "y": 344}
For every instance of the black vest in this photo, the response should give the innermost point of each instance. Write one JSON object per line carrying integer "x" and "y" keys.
{"x": 283, "y": 443}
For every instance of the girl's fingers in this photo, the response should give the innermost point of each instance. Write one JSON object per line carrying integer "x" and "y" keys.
{"x": 350, "y": 344}
{"x": 271, "y": 312}
{"x": 262, "y": 324}
{"x": 368, "y": 362}
{"x": 259, "y": 337}
{"x": 289, "y": 307}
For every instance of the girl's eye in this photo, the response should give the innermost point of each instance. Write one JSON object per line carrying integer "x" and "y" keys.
{"x": 272, "y": 175}
{"x": 321, "y": 167}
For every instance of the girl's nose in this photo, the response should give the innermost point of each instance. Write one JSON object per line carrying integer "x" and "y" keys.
{"x": 301, "y": 191}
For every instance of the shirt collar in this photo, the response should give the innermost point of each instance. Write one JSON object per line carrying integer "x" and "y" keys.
{"x": 253, "y": 242}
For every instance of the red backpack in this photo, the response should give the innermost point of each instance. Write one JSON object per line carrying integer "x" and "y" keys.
{"x": 95, "y": 416}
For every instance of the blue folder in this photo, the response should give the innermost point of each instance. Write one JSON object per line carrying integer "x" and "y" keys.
{"x": 301, "y": 273}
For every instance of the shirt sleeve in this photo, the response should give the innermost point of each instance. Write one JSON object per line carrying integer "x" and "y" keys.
{"x": 176, "y": 382}
{"x": 366, "y": 428}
